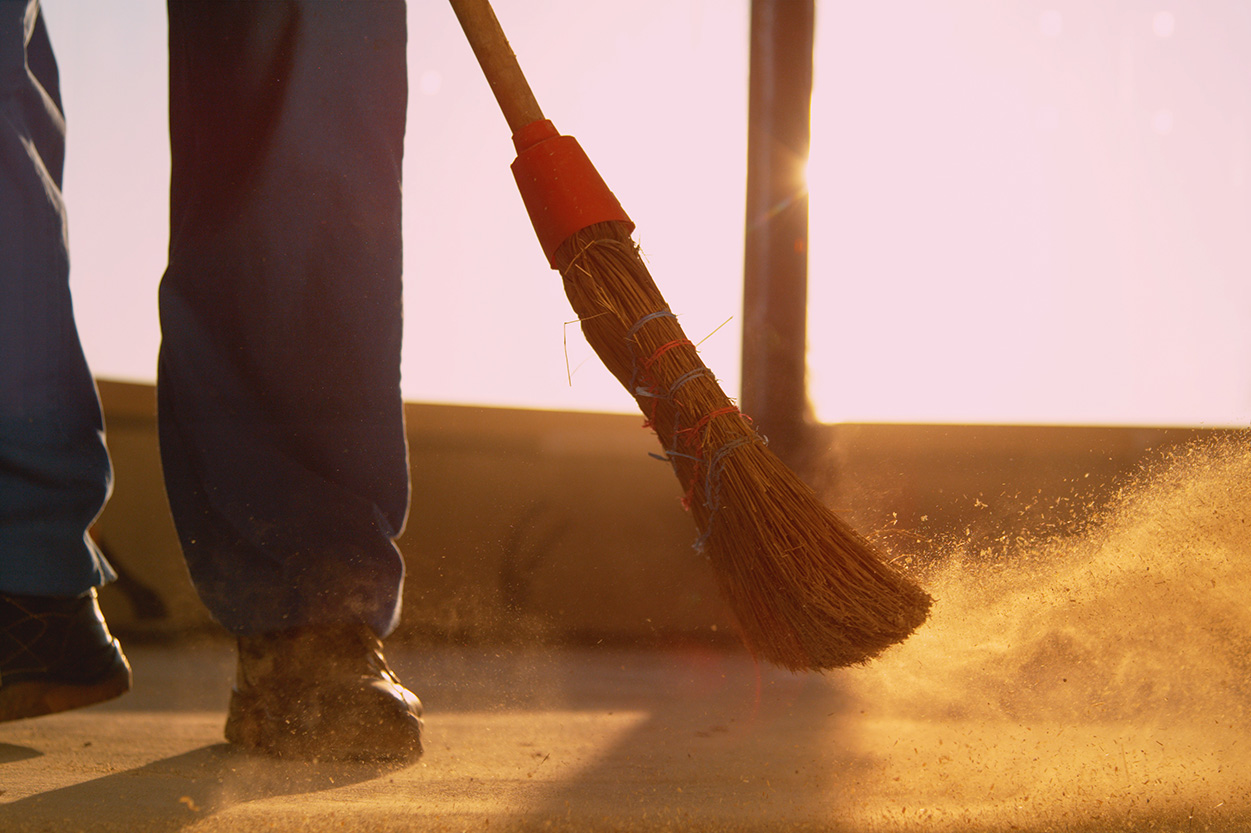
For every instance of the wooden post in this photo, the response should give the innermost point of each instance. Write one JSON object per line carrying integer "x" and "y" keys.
{"x": 775, "y": 292}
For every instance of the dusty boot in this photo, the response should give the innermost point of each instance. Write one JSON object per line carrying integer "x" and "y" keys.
{"x": 322, "y": 693}
{"x": 56, "y": 654}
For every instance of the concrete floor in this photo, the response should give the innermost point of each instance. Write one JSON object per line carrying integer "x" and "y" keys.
{"x": 596, "y": 739}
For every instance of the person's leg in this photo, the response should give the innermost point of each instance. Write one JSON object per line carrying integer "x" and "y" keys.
{"x": 281, "y": 422}
{"x": 55, "y": 652}
{"x": 54, "y": 471}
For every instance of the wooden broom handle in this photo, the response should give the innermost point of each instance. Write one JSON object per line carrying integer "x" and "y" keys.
{"x": 498, "y": 62}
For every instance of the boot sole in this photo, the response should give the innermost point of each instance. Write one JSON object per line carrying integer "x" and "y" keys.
{"x": 33, "y": 698}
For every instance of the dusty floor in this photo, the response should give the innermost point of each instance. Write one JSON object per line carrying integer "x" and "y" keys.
{"x": 607, "y": 740}
{"x": 586, "y": 739}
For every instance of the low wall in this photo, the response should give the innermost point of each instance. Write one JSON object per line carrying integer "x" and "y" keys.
{"x": 532, "y": 524}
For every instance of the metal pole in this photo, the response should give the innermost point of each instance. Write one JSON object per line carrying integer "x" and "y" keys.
{"x": 775, "y": 292}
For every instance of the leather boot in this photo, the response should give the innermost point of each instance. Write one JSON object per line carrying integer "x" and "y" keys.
{"x": 322, "y": 692}
{"x": 56, "y": 654}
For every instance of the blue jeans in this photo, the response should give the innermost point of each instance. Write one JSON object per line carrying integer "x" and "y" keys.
{"x": 280, "y": 417}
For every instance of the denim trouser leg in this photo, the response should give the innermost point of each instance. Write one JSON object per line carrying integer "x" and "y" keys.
{"x": 54, "y": 470}
{"x": 281, "y": 422}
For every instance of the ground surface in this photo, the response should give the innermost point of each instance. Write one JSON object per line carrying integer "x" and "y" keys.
{"x": 606, "y": 739}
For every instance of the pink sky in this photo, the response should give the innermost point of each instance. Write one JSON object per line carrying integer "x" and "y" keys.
{"x": 1022, "y": 212}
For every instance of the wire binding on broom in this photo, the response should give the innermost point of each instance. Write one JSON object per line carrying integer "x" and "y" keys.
{"x": 712, "y": 487}
{"x": 710, "y": 463}
{"x": 651, "y": 316}
{"x": 692, "y": 436}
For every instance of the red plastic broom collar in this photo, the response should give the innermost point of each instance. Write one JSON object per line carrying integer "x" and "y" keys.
{"x": 562, "y": 190}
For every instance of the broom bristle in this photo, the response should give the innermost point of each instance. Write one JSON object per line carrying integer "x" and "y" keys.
{"x": 806, "y": 589}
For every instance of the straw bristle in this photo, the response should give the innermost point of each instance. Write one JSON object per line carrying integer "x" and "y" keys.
{"x": 807, "y": 590}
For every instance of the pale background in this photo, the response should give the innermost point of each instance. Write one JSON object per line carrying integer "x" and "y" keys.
{"x": 1021, "y": 212}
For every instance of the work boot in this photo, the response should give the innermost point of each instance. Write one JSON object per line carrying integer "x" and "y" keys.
{"x": 56, "y": 654}
{"x": 322, "y": 693}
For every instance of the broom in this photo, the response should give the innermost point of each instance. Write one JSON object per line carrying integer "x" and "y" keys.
{"x": 807, "y": 590}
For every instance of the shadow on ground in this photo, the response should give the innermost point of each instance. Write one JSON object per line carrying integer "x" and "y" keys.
{"x": 173, "y": 793}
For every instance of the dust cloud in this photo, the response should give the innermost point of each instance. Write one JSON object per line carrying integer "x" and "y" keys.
{"x": 1096, "y": 681}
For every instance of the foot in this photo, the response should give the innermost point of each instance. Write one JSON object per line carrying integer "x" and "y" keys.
{"x": 322, "y": 693}
{"x": 56, "y": 654}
